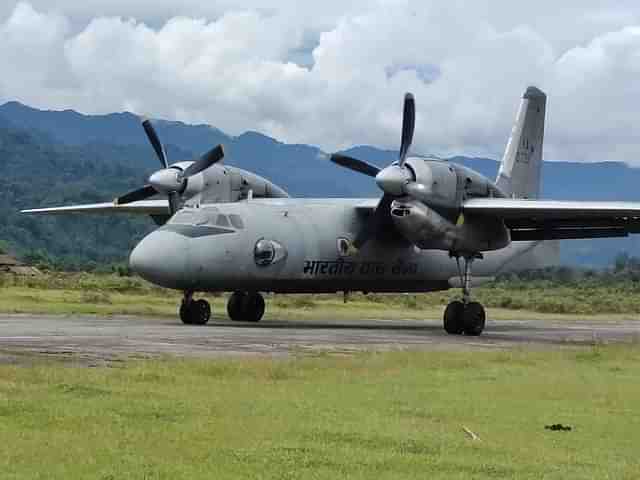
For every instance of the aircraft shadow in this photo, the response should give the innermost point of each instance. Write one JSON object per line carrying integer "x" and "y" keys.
{"x": 319, "y": 325}
{"x": 513, "y": 333}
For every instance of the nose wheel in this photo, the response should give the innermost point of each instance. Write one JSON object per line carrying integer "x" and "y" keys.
{"x": 194, "y": 312}
{"x": 245, "y": 307}
{"x": 464, "y": 316}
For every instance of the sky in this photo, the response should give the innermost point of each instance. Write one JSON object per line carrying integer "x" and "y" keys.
{"x": 333, "y": 73}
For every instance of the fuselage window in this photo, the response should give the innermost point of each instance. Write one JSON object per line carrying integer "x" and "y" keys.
{"x": 236, "y": 221}
{"x": 223, "y": 221}
{"x": 264, "y": 252}
{"x": 267, "y": 252}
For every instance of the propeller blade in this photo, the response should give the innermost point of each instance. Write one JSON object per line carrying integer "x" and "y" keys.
{"x": 408, "y": 126}
{"x": 139, "y": 194}
{"x": 355, "y": 164}
{"x": 174, "y": 202}
{"x": 377, "y": 221}
{"x": 155, "y": 142}
{"x": 212, "y": 157}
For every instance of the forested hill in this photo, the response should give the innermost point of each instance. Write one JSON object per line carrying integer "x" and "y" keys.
{"x": 53, "y": 158}
{"x": 36, "y": 172}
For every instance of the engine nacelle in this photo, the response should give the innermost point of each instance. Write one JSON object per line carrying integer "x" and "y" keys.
{"x": 427, "y": 229}
{"x": 437, "y": 182}
{"x": 194, "y": 186}
{"x": 221, "y": 184}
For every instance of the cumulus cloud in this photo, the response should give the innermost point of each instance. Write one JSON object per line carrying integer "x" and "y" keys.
{"x": 334, "y": 75}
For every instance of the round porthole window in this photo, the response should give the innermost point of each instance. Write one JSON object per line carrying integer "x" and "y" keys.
{"x": 267, "y": 252}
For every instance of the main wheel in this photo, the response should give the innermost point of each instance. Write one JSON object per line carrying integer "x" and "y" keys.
{"x": 252, "y": 307}
{"x": 474, "y": 319}
{"x": 454, "y": 318}
{"x": 234, "y": 306}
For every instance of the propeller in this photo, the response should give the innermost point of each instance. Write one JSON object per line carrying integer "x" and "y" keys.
{"x": 170, "y": 180}
{"x": 355, "y": 164}
{"x": 396, "y": 180}
{"x": 155, "y": 141}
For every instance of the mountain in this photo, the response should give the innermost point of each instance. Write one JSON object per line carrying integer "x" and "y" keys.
{"x": 55, "y": 157}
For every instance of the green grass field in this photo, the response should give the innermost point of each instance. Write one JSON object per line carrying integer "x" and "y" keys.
{"x": 373, "y": 415}
{"x": 390, "y": 415}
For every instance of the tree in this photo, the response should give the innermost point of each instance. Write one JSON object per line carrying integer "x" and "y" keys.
{"x": 621, "y": 261}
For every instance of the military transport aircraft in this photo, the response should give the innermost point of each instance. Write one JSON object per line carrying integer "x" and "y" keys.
{"x": 225, "y": 229}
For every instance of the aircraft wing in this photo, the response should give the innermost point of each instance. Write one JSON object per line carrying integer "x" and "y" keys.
{"x": 558, "y": 220}
{"x": 145, "y": 207}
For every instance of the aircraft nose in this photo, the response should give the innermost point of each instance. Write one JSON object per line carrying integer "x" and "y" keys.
{"x": 162, "y": 258}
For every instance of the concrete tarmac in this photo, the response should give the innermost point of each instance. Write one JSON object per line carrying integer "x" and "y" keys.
{"x": 93, "y": 340}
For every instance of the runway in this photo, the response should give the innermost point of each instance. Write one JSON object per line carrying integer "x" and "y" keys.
{"x": 94, "y": 340}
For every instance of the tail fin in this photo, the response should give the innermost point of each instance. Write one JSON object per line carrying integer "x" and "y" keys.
{"x": 519, "y": 174}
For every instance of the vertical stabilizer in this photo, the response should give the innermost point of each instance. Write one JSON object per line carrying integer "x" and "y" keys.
{"x": 519, "y": 174}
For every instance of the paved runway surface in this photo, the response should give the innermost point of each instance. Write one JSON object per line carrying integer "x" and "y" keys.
{"x": 94, "y": 340}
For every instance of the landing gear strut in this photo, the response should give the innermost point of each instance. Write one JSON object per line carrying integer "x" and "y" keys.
{"x": 465, "y": 316}
{"x": 245, "y": 307}
{"x": 194, "y": 312}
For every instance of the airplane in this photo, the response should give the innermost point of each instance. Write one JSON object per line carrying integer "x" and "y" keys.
{"x": 434, "y": 221}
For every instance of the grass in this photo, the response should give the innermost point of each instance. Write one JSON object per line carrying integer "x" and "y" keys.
{"x": 382, "y": 415}
{"x": 84, "y": 293}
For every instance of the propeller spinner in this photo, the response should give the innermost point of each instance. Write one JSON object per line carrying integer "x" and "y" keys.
{"x": 170, "y": 180}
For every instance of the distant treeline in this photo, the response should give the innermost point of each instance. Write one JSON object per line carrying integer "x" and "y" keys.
{"x": 624, "y": 267}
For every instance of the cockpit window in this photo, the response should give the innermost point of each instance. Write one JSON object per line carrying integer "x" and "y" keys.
{"x": 222, "y": 221}
{"x": 236, "y": 221}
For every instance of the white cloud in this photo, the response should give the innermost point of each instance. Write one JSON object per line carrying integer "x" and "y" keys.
{"x": 234, "y": 67}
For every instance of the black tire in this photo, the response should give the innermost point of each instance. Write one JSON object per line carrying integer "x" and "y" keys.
{"x": 252, "y": 307}
{"x": 198, "y": 312}
{"x": 454, "y": 318}
{"x": 185, "y": 314}
{"x": 474, "y": 319}
{"x": 201, "y": 311}
{"x": 234, "y": 306}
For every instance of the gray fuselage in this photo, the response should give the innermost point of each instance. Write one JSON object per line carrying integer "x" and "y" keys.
{"x": 299, "y": 246}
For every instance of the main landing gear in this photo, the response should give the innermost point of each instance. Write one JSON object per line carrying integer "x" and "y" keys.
{"x": 194, "y": 312}
{"x": 465, "y": 316}
{"x": 245, "y": 307}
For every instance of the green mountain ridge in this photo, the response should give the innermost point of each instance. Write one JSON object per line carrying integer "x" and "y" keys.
{"x": 53, "y": 158}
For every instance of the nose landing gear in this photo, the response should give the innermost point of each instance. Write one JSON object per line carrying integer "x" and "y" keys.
{"x": 194, "y": 312}
{"x": 465, "y": 316}
{"x": 245, "y": 307}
